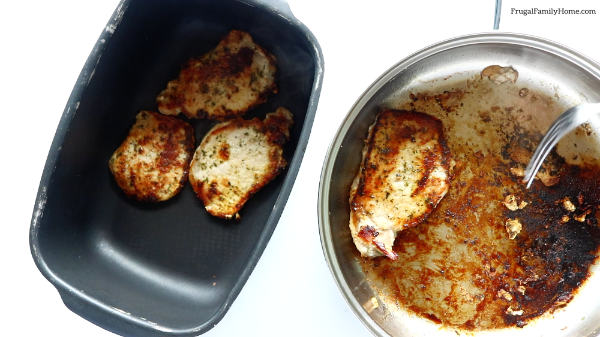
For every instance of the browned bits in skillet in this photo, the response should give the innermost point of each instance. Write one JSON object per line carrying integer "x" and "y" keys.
{"x": 451, "y": 268}
{"x": 499, "y": 75}
{"x": 152, "y": 162}
{"x": 237, "y": 158}
{"x": 541, "y": 271}
{"x": 512, "y": 203}
{"x": 448, "y": 101}
{"x": 513, "y": 227}
{"x": 226, "y": 82}
{"x": 523, "y": 92}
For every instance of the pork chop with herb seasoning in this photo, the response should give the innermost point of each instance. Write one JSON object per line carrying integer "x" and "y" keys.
{"x": 152, "y": 162}
{"x": 226, "y": 82}
{"x": 237, "y": 158}
{"x": 403, "y": 176}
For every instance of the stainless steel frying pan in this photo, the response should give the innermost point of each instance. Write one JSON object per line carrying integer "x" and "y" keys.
{"x": 563, "y": 76}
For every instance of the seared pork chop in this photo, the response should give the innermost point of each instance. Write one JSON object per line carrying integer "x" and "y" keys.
{"x": 236, "y": 158}
{"x": 403, "y": 176}
{"x": 152, "y": 162}
{"x": 227, "y": 81}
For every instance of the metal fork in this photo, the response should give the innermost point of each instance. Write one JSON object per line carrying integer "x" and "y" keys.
{"x": 564, "y": 124}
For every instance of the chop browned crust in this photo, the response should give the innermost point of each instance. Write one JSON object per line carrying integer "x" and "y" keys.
{"x": 237, "y": 158}
{"x": 226, "y": 82}
{"x": 152, "y": 162}
{"x": 403, "y": 176}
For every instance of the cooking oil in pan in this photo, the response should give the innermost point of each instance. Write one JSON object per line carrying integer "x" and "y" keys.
{"x": 494, "y": 254}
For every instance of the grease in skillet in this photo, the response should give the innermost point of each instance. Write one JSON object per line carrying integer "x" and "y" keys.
{"x": 460, "y": 267}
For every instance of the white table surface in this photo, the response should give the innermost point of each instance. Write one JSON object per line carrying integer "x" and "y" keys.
{"x": 291, "y": 292}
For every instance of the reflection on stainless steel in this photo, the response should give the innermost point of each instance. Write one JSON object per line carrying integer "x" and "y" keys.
{"x": 544, "y": 67}
{"x": 564, "y": 124}
{"x": 371, "y": 304}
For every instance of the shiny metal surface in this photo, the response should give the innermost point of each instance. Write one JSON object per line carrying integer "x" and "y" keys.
{"x": 544, "y": 66}
{"x": 564, "y": 124}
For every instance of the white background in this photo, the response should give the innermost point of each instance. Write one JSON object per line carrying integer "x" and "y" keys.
{"x": 43, "y": 46}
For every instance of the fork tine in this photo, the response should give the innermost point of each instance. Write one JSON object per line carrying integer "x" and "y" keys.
{"x": 539, "y": 155}
{"x": 538, "y": 158}
{"x": 552, "y": 137}
{"x": 565, "y": 123}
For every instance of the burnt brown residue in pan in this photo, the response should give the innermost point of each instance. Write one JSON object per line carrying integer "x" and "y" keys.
{"x": 558, "y": 242}
{"x": 460, "y": 267}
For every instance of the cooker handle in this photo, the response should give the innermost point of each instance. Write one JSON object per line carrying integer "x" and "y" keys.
{"x": 122, "y": 325}
{"x": 280, "y": 6}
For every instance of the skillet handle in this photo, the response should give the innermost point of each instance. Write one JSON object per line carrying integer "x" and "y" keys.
{"x": 118, "y": 324}
{"x": 497, "y": 12}
{"x": 280, "y": 6}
